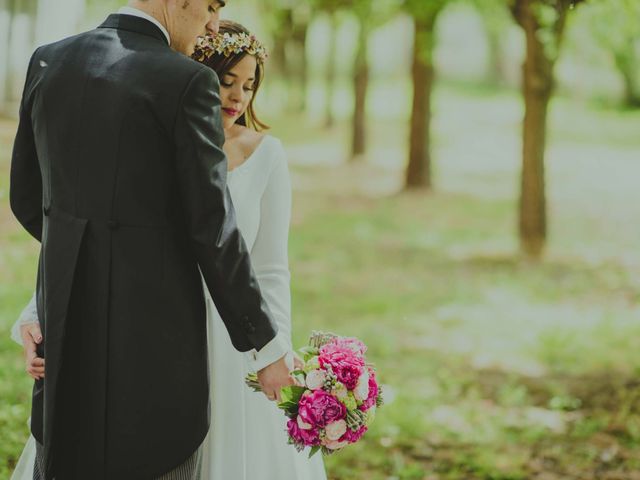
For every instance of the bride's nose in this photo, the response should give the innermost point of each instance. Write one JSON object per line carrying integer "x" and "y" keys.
{"x": 236, "y": 93}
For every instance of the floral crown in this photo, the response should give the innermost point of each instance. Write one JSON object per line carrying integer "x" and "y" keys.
{"x": 228, "y": 44}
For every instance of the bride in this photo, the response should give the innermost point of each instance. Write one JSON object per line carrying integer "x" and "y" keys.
{"x": 247, "y": 439}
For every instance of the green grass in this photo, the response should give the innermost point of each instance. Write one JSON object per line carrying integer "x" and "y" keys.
{"x": 495, "y": 368}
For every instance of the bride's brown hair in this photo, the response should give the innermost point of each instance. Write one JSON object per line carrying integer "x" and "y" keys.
{"x": 222, "y": 64}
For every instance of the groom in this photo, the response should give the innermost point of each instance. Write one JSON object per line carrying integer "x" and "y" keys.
{"x": 118, "y": 170}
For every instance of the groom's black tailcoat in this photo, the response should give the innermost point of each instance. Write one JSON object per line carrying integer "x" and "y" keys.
{"x": 117, "y": 169}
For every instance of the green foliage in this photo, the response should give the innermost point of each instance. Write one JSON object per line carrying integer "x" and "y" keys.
{"x": 548, "y": 19}
{"x": 425, "y": 15}
{"x": 422, "y": 9}
{"x": 614, "y": 22}
{"x": 615, "y": 25}
{"x": 291, "y": 396}
{"x": 314, "y": 450}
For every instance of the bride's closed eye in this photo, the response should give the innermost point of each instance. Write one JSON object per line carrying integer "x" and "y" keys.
{"x": 246, "y": 88}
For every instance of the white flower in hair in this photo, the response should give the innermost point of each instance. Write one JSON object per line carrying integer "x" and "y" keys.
{"x": 228, "y": 44}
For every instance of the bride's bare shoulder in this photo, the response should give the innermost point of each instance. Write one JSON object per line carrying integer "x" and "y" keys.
{"x": 249, "y": 140}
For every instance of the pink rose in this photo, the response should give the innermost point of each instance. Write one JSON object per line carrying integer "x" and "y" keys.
{"x": 373, "y": 392}
{"x": 320, "y": 408}
{"x": 352, "y": 436}
{"x": 344, "y": 362}
{"x": 301, "y": 436}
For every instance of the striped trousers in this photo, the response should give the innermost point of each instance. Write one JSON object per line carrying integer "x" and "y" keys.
{"x": 189, "y": 470}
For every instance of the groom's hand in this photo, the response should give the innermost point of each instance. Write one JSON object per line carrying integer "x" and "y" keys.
{"x": 274, "y": 377}
{"x": 31, "y": 337}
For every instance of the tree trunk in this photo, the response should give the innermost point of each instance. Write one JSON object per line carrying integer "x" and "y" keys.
{"x": 627, "y": 66}
{"x": 6, "y": 7}
{"x": 330, "y": 79}
{"x": 497, "y": 70}
{"x": 7, "y": 94}
{"x": 361, "y": 85}
{"x": 418, "y": 174}
{"x": 537, "y": 88}
{"x": 300, "y": 68}
{"x": 278, "y": 55}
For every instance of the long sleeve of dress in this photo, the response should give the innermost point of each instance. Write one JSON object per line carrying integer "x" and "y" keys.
{"x": 28, "y": 315}
{"x": 270, "y": 259}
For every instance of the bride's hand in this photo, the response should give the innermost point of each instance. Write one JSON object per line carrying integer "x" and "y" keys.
{"x": 31, "y": 337}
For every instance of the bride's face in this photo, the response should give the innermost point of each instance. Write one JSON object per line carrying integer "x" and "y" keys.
{"x": 236, "y": 90}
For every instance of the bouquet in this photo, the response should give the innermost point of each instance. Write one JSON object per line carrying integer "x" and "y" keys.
{"x": 336, "y": 396}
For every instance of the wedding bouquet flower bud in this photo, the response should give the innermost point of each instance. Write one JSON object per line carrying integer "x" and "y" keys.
{"x": 336, "y": 396}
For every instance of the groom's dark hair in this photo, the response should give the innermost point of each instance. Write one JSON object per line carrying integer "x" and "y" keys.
{"x": 221, "y": 64}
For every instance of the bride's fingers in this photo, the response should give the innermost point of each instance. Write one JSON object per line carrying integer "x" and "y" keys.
{"x": 35, "y": 367}
{"x": 36, "y": 372}
{"x": 35, "y": 333}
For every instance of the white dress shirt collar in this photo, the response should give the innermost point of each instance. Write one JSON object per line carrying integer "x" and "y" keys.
{"x": 139, "y": 13}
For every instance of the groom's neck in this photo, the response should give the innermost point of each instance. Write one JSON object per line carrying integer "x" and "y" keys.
{"x": 156, "y": 8}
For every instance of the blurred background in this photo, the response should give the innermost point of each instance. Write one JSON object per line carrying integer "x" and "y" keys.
{"x": 466, "y": 201}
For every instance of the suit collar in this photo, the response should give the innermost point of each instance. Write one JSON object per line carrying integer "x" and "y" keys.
{"x": 134, "y": 24}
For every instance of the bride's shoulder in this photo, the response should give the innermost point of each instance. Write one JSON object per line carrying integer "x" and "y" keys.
{"x": 273, "y": 145}
{"x": 263, "y": 145}
{"x": 247, "y": 138}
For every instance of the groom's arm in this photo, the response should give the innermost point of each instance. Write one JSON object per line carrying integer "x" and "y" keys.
{"x": 210, "y": 217}
{"x": 26, "y": 181}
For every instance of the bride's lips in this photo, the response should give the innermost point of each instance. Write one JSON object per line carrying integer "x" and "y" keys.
{"x": 230, "y": 111}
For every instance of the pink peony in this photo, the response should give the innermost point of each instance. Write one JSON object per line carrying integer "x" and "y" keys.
{"x": 352, "y": 344}
{"x": 353, "y": 436}
{"x": 373, "y": 392}
{"x": 344, "y": 362}
{"x": 299, "y": 435}
{"x": 320, "y": 408}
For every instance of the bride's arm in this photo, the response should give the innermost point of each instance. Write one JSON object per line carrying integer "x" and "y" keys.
{"x": 269, "y": 256}
{"x": 29, "y": 315}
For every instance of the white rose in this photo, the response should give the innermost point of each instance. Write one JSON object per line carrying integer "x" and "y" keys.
{"x": 302, "y": 424}
{"x": 315, "y": 379}
{"x": 312, "y": 364}
{"x": 361, "y": 391}
{"x": 336, "y": 429}
{"x": 340, "y": 391}
{"x": 335, "y": 445}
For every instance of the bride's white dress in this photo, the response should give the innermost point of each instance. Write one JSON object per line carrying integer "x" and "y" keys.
{"x": 247, "y": 439}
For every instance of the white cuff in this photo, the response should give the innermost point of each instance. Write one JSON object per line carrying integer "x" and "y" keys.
{"x": 28, "y": 316}
{"x": 15, "y": 330}
{"x": 270, "y": 353}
